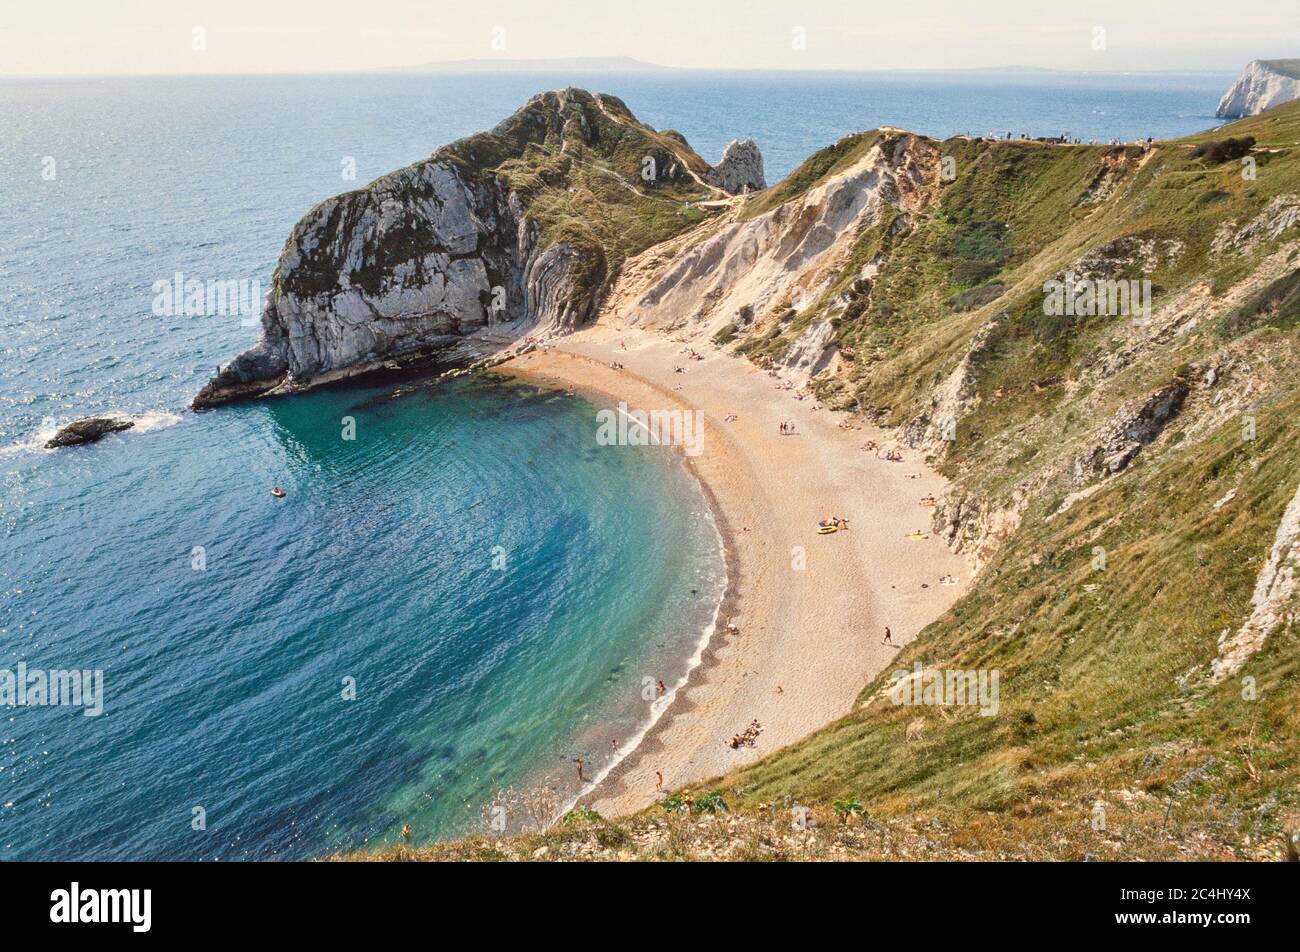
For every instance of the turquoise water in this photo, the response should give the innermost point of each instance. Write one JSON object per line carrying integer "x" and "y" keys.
{"x": 491, "y": 580}
{"x": 224, "y": 683}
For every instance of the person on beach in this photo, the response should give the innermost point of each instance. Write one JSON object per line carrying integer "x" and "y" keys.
{"x": 406, "y": 831}
{"x": 581, "y": 778}
{"x": 613, "y": 747}
{"x": 660, "y": 689}
{"x": 659, "y": 781}
{"x": 889, "y": 638}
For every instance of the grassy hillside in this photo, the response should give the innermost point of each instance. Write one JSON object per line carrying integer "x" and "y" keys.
{"x": 1107, "y": 710}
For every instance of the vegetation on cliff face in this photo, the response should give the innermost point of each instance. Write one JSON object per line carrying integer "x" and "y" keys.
{"x": 817, "y": 167}
{"x": 591, "y": 175}
{"x": 587, "y": 172}
{"x": 1104, "y": 604}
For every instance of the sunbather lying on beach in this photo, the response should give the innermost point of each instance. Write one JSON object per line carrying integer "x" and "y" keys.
{"x": 748, "y": 738}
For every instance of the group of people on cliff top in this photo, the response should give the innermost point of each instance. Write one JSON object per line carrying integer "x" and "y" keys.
{"x": 1064, "y": 139}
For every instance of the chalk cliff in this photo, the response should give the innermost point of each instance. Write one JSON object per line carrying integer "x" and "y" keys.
{"x": 1262, "y": 85}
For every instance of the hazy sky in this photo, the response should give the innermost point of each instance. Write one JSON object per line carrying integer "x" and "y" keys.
{"x": 242, "y": 36}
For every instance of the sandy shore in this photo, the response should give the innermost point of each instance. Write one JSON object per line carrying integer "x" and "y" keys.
{"x": 807, "y": 639}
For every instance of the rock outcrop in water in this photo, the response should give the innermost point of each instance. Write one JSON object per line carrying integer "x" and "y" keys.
{"x": 87, "y": 431}
{"x": 518, "y": 228}
{"x": 1262, "y": 85}
{"x": 740, "y": 169}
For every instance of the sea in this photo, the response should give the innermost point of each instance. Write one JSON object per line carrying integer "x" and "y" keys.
{"x": 460, "y": 593}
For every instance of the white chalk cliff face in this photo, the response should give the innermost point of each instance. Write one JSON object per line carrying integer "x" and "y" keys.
{"x": 749, "y": 272}
{"x": 1262, "y": 85}
{"x": 430, "y": 253}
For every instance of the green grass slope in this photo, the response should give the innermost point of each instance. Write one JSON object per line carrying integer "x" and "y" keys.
{"x": 1107, "y": 711}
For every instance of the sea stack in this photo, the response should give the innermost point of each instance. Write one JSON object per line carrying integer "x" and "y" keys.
{"x": 1262, "y": 85}
{"x": 740, "y": 169}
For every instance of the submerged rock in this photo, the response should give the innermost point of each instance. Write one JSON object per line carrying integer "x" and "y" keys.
{"x": 87, "y": 431}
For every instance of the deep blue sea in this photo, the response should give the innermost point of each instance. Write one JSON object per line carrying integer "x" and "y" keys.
{"x": 445, "y": 609}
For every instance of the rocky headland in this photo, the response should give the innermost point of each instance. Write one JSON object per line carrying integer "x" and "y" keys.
{"x": 517, "y": 229}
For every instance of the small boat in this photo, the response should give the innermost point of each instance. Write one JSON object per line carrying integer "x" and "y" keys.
{"x": 278, "y": 493}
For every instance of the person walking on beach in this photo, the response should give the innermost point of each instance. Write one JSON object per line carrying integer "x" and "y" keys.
{"x": 581, "y": 778}
{"x": 659, "y": 781}
{"x": 889, "y": 640}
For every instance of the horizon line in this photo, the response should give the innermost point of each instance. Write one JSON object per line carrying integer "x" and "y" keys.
{"x": 449, "y": 68}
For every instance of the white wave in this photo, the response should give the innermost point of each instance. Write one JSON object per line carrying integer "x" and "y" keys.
{"x": 145, "y": 422}
{"x": 659, "y": 707}
{"x": 153, "y": 420}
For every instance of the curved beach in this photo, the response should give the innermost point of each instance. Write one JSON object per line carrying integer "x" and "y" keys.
{"x": 805, "y": 639}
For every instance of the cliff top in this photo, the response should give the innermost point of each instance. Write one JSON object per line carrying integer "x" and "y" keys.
{"x": 1287, "y": 67}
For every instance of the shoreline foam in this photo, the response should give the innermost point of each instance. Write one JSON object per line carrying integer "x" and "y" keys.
{"x": 660, "y": 706}
{"x": 815, "y": 633}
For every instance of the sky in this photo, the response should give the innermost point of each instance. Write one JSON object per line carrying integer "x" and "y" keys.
{"x": 53, "y": 37}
